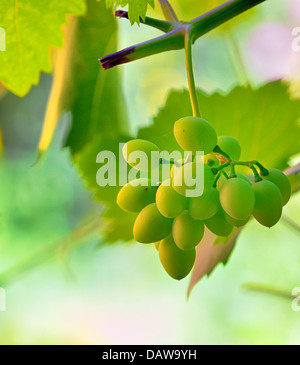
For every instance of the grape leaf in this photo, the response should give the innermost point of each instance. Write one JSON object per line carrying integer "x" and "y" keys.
{"x": 137, "y": 9}
{"x": 31, "y": 27}
{"x": 95, "y": 100}
{"x": 94, "y": 96}
{"x": 264, "y": 121}
{"x": 81, "y": 86}
{"x": 118, "y": 224}
{"x": 209, "y": 254}
{"x": 99, "y": 116}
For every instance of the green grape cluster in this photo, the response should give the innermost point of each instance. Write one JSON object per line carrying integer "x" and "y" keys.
{"x": 174, "y": 222}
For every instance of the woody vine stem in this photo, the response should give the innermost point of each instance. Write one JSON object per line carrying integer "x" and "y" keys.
{"x": 182, "y": 34}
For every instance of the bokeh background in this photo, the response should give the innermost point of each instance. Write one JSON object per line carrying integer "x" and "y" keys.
{"x": 68, "y": 286}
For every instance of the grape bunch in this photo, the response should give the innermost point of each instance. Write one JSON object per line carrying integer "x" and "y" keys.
{"x": 175, "y": 223}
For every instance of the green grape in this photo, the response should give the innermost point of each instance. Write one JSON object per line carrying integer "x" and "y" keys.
{"x": 169, "y": 202}
{"x": 236, "y": 222}
{"x": 195, "y": 134}
{"x": 176, "y": 262}
{"x": 282, "y": 182}
{"x": 140, "y": 145}
{"x": 268, "y": 203}
{"x": 218, "y": 224}
{"x": 181, "y": 174}
{"x": 187, "y": 232}
{"x": 231, "y": 146}
{"x": 134, "y": 198}
{"x": 150, "y": 226}
{"x": 244, "y": 177}
{"x": 237, "y": 198}
{"x": 223, "y": 179}
{"x": 156, "y": 245}
{"x": 205, "y": 206}
{"x": 162, "y": 173}
{"x": 174, "y": 167}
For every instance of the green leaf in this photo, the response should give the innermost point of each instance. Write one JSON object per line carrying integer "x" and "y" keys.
{"x": 93, "y": 95}
{"x": 118, "y": 224}
{"x": 95, "y": 100}
{"x": 136, "y": 8}
{"x": 99, "y": 116}
{"x": 264, "y": 121}
{"x": 32, "y": 27}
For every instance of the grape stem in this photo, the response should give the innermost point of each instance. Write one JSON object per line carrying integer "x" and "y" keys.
{"x": 190, "y": 73}
{"x": 218, "y": 151}
{"x": 219, "y": 174}
{"x": 232, "y": 163}
{"x": 232, "y": 170}
{"x": 217, "y": 179}
{"x": 225, "y": 174}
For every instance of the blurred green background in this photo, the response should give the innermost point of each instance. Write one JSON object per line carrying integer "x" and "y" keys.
{"x": 68, "y": 286}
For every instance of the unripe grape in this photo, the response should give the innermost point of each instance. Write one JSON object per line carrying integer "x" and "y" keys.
{"x": 187, "y": 232}
{"x": 236, "y": 222}
{"x": 244, "y": 177}
{"x": 169, "y": 202}
{"x": 205, "y": 206}
{"x": 282, "y": 182}
{"x": 176, "y": 262}
{"x": 218, "y": 224}
{"x": 139, "y": 145}
{"x": 174, "y": 167}
{"x": 222, "y": 179}
{"x": 268, "y": 203}
{"x": 134, "y": 198}
{"x": 195, "y": 134}
{"x": 231, "y": 146}
{"x": 150, "y": 226}
{"x": 187, "y": 171}
{"x": 237, "y": 198}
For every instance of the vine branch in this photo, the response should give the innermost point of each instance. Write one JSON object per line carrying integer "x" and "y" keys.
{"x": 174, "y": 38}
